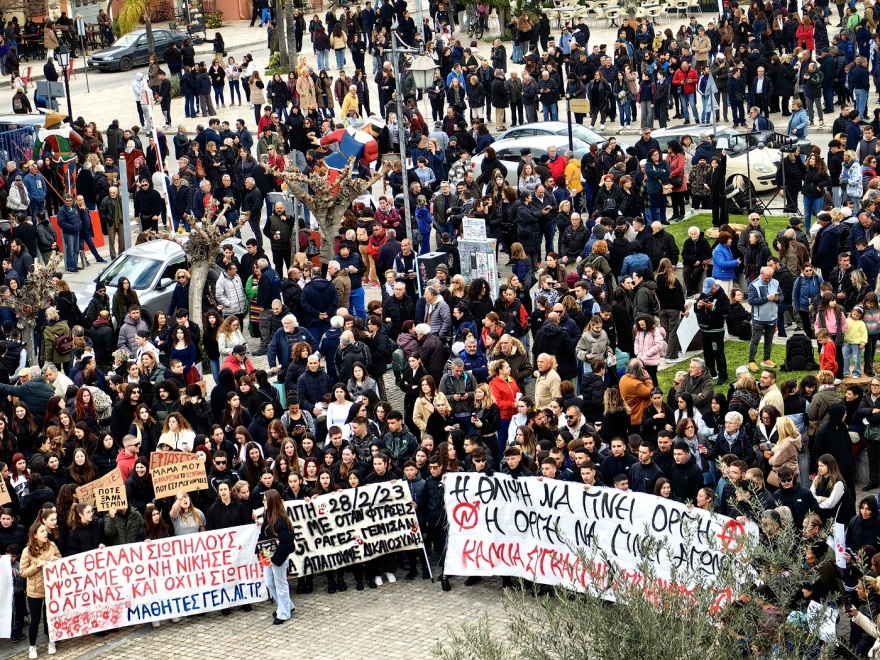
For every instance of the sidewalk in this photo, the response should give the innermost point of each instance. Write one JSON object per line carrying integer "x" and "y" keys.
{"x": 236, "y": 35}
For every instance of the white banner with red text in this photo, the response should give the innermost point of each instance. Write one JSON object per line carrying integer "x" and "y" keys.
{"x": 124, "y": 585}
{"x": 535, "y": 529}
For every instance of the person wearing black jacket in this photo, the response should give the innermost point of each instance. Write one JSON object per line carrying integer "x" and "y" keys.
{"x": 712, "y": 307}
{"x": 644, "y": 473}
{"x": 789, "y": 179}
{"x": 149, "y": 207}
{"x": 276, "y": 544}
{"x": 656, "y": 417}
{"x": 695, "y": 251}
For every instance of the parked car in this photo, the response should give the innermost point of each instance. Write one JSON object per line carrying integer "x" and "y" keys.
{"x": 508, "y": 151}
{"x": 748, "y": 155}
{"x": 560, "y": 128}
{"x": 131, "y": 50}
{"x": 151, "y": 268}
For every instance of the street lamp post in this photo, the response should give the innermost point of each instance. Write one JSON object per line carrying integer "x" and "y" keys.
{"x": 422, "y": 68}
{"x": 62, "y": 55}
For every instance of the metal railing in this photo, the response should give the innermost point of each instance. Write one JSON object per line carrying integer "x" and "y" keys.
{"x": 18, "y": 143}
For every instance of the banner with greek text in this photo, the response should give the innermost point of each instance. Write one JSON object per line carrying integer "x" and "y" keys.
{"x": 352, "y": 526}
{"x": 125, "y": 585}
{"x": 534, "y": 529}
{"x": 173, "y": 472}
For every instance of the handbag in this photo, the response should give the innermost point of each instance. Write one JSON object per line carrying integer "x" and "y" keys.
{"x": 676, "y": 181}
{"x": 773, "y": 479}
{"x": 872, "y": 433}
{"x": 667, "y": 188}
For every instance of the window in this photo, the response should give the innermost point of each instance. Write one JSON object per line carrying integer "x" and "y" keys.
{"x": 172, "y": 267}
{"x": 141, "y": 271}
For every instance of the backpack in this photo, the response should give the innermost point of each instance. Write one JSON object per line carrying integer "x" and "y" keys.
{"x": 16, "y": 102}
{"x": 63, "y": 344}
{"x": 799, "y": 354}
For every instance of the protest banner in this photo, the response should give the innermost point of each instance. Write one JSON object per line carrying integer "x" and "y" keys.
{"x": 534, "y": 529}
{"x": 112, "y": 489}
{"x": 351, "y": 526}
{"x": 5, "y": 498}
{"x": 138, "y": 583}
{"x": 5, "y": 596}
{"x": 175, "y": 471}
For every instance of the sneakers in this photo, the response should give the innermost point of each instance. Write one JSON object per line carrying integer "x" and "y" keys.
{"x": 412, "y": 574}
{"x": 378, "y": 581}
{"x": 837, "y": 381}
{"x": 391, "y": 578}
{"x": 674, "y": 360}
{"x": 32, "y": 652}
{"x": 753, "y": 366}
{"x": 156, "y": 624}
{"x": 261, "y": 351}
{"x": 768, "y": 363}
{"x": 821, "y": 123}
{"x": 601, "y": 127}
{"x": 52, "y": 649}
{"x": 176, "y": 619}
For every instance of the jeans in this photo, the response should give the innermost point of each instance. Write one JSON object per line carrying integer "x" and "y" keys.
{"x": 517, "y": 53}
{"x": 279, "y": 589}
{"x": 759, "y": 330}
{"x": 548, "y": 231}
{"x": 218, "y": 95}
{"x": 318, "y": 328}
{"x": 215, "y": 370}
{"x": 852, "y": 352}
{"x": 88, "y": 240}
{"x": 647, "y": 114}
{"x": 861, "y": 97}
{"x": 658, "y": 207}
{"x": 324, "y": 59}
{"x": 812, "y": 206}
{"x": 189, "y": 106}
{"x": 234, "y": 88}
{"x": 669, "y": 321}
{"x": 36, "y": 207}
{"x": 739, "y": 116}
{"x": 551, "y": 112}
{"x": 817, "y": 104}
{"x": 870, "y": 351}
{"x": 340, "y": 57}
{"x": 71, "y": 250}
{"x": 623, "y": 111}
{"x": 356, "y": 303}
{"x": 780, "y": 319}
{"x": 706, "y": 116}
{"x": 531, "y": 113}
{"x": 689, "y": 101}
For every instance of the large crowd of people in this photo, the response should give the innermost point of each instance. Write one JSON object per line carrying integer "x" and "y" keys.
{"x": 555, "y": 375}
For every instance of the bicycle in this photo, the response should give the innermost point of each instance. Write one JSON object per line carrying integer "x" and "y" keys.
{"x": 474, "y": 23}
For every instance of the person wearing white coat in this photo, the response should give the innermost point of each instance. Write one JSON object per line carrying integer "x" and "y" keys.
{"x": 230, "y": 292}
{"x": 138, "y": 89}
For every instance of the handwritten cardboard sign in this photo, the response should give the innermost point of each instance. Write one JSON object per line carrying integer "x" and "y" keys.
{"x": 4, "y": 493}
{"x": 174, "y": 471}
{"x": 105, "y": 493}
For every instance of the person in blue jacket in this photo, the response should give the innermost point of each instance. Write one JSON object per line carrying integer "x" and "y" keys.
{"x": 806, "y": 290}
{"x": 283, "y": 341}
{"x": 70, "y": 224}
{"x": 723, "y": 262}
{"x": 180, "y": 297}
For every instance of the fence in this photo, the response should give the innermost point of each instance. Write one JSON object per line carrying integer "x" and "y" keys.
{"x": 17, "y": 144}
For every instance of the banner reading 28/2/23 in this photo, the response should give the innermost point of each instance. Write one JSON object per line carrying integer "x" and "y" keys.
{"x": 142, "y": 582}
{"x": 352, "y": 526}
{"x": 533, "y": 529}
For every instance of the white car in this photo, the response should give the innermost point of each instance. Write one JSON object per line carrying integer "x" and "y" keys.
{"x": 558, "y": 128}
{"x": 755, "y": 164}
{"x": 508, "y": 152}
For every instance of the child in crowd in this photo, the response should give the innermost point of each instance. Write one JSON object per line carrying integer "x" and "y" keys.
{"x": 827, "y": 351}
{"x": 854, "y": 340}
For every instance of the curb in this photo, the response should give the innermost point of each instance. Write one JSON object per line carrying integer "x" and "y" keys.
{"x": 82, "y": 68}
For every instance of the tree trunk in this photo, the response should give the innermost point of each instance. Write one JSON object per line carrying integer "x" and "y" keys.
{"x": 198, "y": 274}
{"x": 29, "y": 324}
{"x": 280, "y": 24}
{"x": 151, "y": 43}
{"x": 329, "y": 224}
{"x": 290, "y": 34}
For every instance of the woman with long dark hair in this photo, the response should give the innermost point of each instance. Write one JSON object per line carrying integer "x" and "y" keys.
{"x": 275, "y": 544}
{"x": 124, "y": 298}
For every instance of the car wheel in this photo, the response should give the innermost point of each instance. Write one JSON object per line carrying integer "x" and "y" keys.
{"x": 125, "y": 64}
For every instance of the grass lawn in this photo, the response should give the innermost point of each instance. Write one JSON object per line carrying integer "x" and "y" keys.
{"x": 736, "y": 351}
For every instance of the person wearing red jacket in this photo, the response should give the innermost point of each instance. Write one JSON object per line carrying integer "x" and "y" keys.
{"x": 827, "y": 352}
{"x": 685, "y": 81}
{"x": 556, "y": 163}
{"x": 506, "y": 393}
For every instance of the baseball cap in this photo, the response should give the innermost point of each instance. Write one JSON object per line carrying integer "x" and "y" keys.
{"x": 708, "y": 283}
{"x": 241, "y": 349}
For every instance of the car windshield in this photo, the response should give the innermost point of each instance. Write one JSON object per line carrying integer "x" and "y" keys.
{"x": 141, "y": 271}
{"x": 126, "y": 40}
{"x": 585, "y": 134}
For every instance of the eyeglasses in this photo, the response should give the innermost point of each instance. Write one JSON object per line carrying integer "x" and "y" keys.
{"x": 569, "y": 417}
{"x": 181, "y": 278}
{"x": 479, "y": 460}
{"x": 786, "y": 481}
{"x": 219, "y": 462}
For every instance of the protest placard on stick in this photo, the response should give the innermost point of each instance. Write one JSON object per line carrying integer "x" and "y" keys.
{"x": 175, "y": 472}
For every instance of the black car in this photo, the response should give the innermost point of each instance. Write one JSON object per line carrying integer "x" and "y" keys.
{"x": 131, "y": 50}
